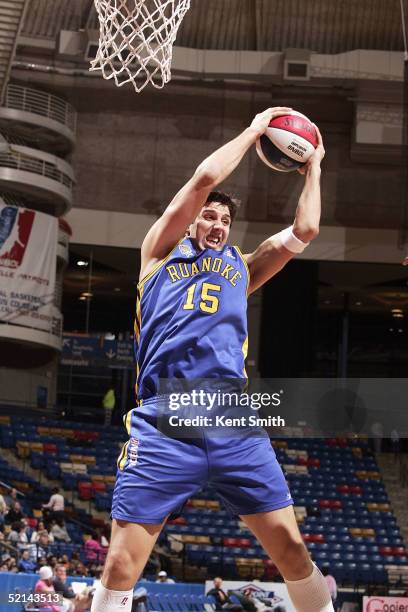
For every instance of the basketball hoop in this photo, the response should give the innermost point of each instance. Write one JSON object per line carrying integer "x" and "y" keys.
{"x": 136, "y": 40}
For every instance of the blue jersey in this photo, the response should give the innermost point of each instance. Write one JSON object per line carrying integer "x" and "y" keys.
{"x": 191, "y": 317}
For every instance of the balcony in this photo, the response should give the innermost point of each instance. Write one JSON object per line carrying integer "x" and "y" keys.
{"x": 30, "y": 338}
{"x": 38, "y": 176}
{"x": 39, "y": 117}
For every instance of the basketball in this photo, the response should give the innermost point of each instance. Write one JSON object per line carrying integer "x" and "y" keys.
{"x": 288, "y": 142}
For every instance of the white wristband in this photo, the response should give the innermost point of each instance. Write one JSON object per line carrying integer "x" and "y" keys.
{"x": 291, "y": 242}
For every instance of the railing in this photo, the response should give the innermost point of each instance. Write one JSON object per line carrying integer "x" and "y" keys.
{"x": 55, "y": 330}
{"x": 41, "y": 103}
{"x": 20, "y": 161}
{"x": 63, "y": 237}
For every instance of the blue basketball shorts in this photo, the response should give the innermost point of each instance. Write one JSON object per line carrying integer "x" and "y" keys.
{"x": 157, "y": 474}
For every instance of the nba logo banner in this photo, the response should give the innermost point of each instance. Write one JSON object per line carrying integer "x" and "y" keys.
{"x": 28, "y": 251}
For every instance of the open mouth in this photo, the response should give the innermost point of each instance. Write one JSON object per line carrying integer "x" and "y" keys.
{"x": 213, "y": 240}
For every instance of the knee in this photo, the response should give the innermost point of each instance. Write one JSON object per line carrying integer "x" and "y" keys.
{"x": 118, "y": 565}
{"x": 293, "y": 561}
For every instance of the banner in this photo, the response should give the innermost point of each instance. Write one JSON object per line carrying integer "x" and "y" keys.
{"x": 28, "y": 255}
{"x": 385, "y": 604}
{"x": 269, "y": 595}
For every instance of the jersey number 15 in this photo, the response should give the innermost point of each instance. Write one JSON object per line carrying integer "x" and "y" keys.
{"x": 208, "y": 302}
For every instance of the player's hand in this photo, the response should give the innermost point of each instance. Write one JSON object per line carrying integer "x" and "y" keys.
{"x": 262, "y": 120}
{"x": 405, "y": 261}
{"x": 317, "y": 156}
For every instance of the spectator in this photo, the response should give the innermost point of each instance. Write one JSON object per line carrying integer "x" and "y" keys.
{"x": 12, "y": 535}
{"x": 108, "y": 404}
{"x": 34, "y": 535}
{"x": 11, "y": 498}
{"x": 59, "y": 582}
{"x": 93, "y": 550}
{"x": 9, "y": 564}
{"x": 71, "y": 602}
{"x": 139, "y": 603}
{"x": 40, "y": 547}
{"x": 45, "y": 586}
{"x": 3, "y": 509}
{"x": 52, "y": 561}
{"x": 60, "y": 587}
{"x": 12, "y": 565}
{"x": 55, "y": 506}
{"x": 222, "y": 600}
{"x": 162, "y": 577}
{"x": 59, "y": 531}
{"x": 331, "y": 583}
{"x": 22, "y": 539}
{"x": 26, "y": 564}
{"x": 15, "y": 513}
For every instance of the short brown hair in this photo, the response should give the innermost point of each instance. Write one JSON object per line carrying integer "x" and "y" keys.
{"x": 227, "y": 200}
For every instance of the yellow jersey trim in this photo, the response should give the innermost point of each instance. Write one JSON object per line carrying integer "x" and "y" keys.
{"x": 123, "y": 456}
{"x": 245, "y": 264}
{"x": 157, "y": 266}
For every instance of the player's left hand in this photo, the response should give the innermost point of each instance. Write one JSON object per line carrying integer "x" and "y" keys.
{"x": 405, "y": 261}
{"x": 317, "y": 156}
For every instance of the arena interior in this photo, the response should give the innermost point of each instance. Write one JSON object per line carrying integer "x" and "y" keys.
{"x": 100, "y": 163}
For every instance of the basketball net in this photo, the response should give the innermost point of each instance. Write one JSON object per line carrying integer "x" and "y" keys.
{"x": 136, "y": 40}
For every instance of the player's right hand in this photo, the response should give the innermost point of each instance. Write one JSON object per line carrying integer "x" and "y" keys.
{"x": 262, "y": 120}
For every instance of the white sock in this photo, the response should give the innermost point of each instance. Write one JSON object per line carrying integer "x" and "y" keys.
{"x": 310, "y": 594}
{"x": 106, "y": 600}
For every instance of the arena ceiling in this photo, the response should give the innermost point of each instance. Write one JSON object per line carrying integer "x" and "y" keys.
{"x": 323, "y": 26}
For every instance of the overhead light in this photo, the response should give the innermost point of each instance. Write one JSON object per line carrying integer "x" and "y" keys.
{"x": 81, "y": 263}
{"x": 82, "y": 298}
{"x": 400, "y": 330}
{"x": 358, "y": 303}
{"x": 109, "y": 336}
{"x": 396, "y": 310}
{"x": 398, "y": 315}
{"x": 117, "y": 289}
{"x": 86, "y": 294}
{"x": 391, "y": 329}
{"x": 327, "y": 302}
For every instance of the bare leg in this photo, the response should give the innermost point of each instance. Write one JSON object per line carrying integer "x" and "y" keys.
{"x": 129, "y": 551}
{"x": 279, "y": 534}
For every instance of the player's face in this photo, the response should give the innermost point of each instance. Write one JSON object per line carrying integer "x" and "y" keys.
{"x": 212, "y": 226}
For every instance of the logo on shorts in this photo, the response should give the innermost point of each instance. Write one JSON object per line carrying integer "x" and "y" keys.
{"x": 133, "y": 450}
{"x": 185, "y": 249}
{"x": 124, "y": 602}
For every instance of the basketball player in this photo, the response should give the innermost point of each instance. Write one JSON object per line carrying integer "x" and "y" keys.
{"x": 191, "y": 323}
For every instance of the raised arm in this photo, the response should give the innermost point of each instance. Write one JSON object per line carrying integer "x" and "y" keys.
{"x": 275, "y": 252}
{"x": 185, "y": 206}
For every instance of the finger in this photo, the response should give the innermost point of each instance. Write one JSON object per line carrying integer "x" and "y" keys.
{"x": 283, "y": 110}
{"x": 279, "y": 113}
{"x": 319, "y": 136}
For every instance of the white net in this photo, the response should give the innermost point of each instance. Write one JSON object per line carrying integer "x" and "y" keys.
{"x": 136, "y": 40}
